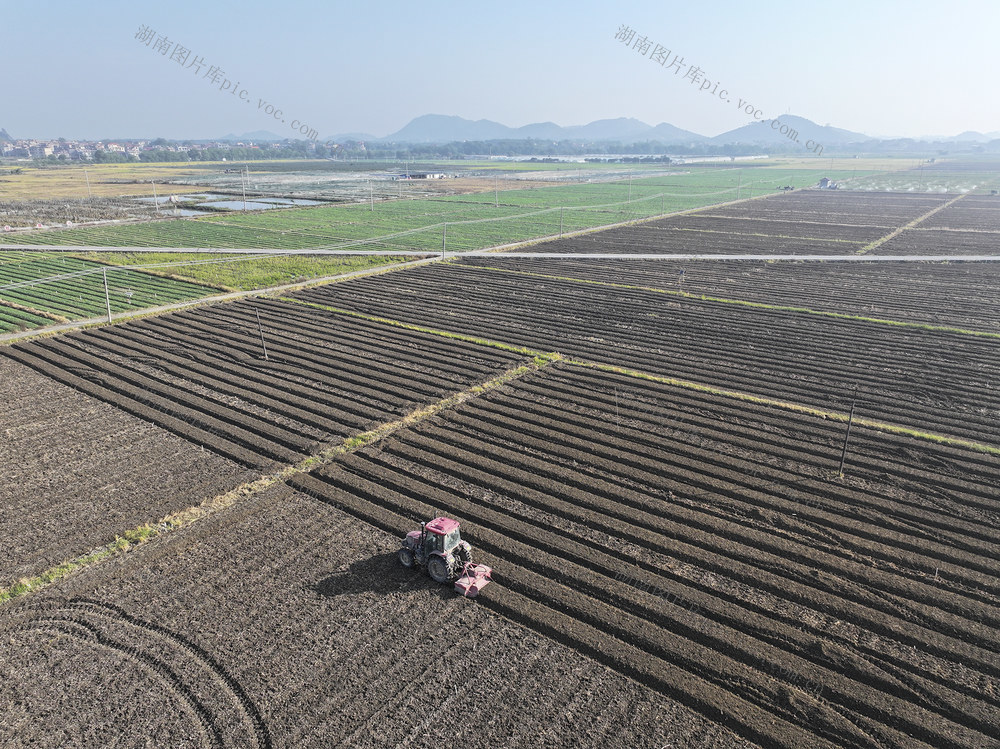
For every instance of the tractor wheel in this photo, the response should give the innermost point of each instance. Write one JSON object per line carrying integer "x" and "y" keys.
{"x": 437, "y": 569}
{"x": 406, "y": 557}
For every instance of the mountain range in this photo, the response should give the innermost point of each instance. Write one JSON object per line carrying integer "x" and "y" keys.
{"x": 437, "y": 128}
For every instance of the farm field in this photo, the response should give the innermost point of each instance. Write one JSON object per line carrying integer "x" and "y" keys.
{"x": 688, "y": 550}
{"x": 699, "y": 234}
{"x": 972, "y": 213}
{"x": 959, "y": 295}
{"x": 953, "y": 175}
{"x": 705, "y": 547}
{"x": 473, "y": 221}
{"x": 813, "y": 222}
{"x": 203, "y": 375}
{"x": 846, "y": 207}
{"x": 287, "y": 623}
{"x": 941, "y": 242}
{"x": 78, "y": 471}
{"x": 77, "y": 289}
{"x": 929, "y": 380}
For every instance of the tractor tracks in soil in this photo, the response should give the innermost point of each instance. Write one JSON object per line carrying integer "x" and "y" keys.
{"x": 217, "y": 703}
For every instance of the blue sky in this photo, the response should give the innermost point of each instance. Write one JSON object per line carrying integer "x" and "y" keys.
{"x": 75, "y": 69}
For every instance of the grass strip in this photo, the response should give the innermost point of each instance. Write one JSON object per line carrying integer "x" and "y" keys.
{"x": 896, "y": 232}
{"x": 138, "y": 536}
{"x": 746, "y": 303}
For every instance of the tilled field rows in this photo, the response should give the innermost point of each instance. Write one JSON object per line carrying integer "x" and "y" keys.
{"x": 959, "y": 295}
{"x": 204, "y": 374}
{"x": 857, "y": 208}
{"x": 286, "y": 623}
{"x": 978, "y": 212}
{"x": 926, "y": 380}
{"x": 940, "y": 242}
{"x": 791, "y": 607}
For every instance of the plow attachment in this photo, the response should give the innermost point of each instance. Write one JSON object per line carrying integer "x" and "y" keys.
{"x": 474, "y": 578}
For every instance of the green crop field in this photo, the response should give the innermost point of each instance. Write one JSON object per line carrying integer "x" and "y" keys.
{"x": 71, "y": 288}
{"x": 474, "y": 221}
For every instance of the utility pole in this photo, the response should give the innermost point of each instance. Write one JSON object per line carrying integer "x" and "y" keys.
{"x": 496, "y": 191}
{"x": 560, "y": 222}
{"x": 847, "y": 436}
{"x": 444, "y": 240}
{"x": 630, "y": 187}
{"x": 739, "y": 180}
{"x": 260, "y": 327}
{"x": 87, "y": 177}
{"x": 371, "y": 194}
{"x": 243, "y": 184}
{"x": 156, "y": 200}
{"x": 107, "y": 294}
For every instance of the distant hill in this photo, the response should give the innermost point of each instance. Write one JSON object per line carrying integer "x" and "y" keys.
{"x": 761, "y": 133}
{"x": 440, "y": 128}
{"x": 258, "y": 135}
{"x": 341, "y": 137}
{"x": 4, "y": 136}
{"x": 437, "y": 128}
{"x": 971, "y": 136}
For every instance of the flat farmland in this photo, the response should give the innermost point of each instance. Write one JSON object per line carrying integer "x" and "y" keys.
{"x": 656, "y": 240}
{"x": 959, "y": 295}
{"x": 697, "y": 233}
{"x": 205, "y": 375}
{"x": 972, "y": 212}
{"x": 77, "y": 471}
{"x": 941, "y": 242}
{"x": 928, "y": 380}
{"x": 838, "y": 206}
{"x": 687, "y": 548}
{"x": 706, "y": 548}
{"x": 287, "y": 623}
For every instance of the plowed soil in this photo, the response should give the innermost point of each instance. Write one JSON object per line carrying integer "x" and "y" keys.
{"x": 929, "y": 380}
{"x": 951, "y": 294}
{"x": 77, "y": 471}
{"x": 286, "y": 623}
{"x": 316, "y": 378}
{"x": 717, "y": 544}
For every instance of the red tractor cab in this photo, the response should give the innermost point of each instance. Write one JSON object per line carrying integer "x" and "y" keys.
{"x": 438, "y": 548}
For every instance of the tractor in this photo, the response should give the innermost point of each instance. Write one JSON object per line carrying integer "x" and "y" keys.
{"x": 439, "y": 549}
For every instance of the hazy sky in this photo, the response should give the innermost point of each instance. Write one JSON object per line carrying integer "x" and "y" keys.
{"x": 881, "y": 67}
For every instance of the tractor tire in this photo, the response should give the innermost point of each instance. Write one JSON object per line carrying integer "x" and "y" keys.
{"x": 437, "y": 569}
{"x": 406, "y": 557}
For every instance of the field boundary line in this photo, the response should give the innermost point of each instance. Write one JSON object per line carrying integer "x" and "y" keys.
{"x": 896, "y": 232}
{"x": 135, "y": 537}
{"x": 744, "y": 303}
{"x": 789, "y": 406}
{"x": 97, "y": 322}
